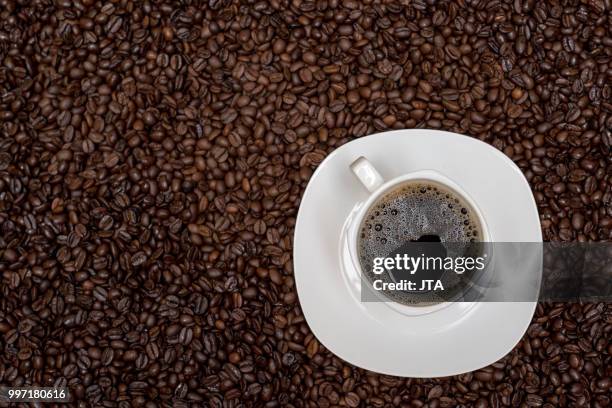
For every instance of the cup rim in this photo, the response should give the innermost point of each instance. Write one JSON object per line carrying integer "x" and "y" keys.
{"x": 427, "y": 175}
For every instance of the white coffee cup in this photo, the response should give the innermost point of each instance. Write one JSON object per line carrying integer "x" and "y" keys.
{"x": 375, "y": 184}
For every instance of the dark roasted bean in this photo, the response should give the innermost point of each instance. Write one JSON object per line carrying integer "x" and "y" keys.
{"x": 153, "y": 156}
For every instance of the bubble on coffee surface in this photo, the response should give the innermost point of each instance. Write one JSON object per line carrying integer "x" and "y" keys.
{"x": 416, "y": 211}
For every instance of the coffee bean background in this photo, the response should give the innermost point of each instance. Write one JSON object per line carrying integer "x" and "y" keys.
{"x": 153, "y": 155}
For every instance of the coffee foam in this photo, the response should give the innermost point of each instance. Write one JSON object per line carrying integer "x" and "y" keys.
{"x": 408, "y": 212}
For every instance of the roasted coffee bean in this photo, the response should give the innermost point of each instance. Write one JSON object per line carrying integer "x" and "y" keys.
{"x": 153, "y": 156}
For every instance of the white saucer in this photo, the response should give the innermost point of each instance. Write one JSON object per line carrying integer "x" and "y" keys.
{"x": 459, "y": 338}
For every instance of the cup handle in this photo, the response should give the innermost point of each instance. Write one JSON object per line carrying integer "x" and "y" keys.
{"x": 367, "y": 174}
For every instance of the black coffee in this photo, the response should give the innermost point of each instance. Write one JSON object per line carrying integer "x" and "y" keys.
{"x": 419, "y": 219}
